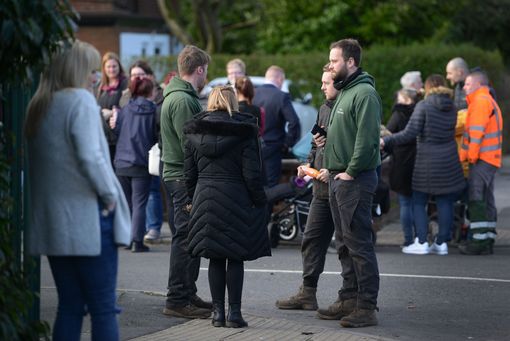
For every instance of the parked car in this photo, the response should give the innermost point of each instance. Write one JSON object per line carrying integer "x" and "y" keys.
{"x": 306, "y": 113}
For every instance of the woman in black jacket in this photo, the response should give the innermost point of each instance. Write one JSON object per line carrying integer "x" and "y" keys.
{"x": 437, "y": 170}
{"x": 223, "y": 175}
{"x": 245, "y": 92}
{"x": 402, "y": 163}
{"x": 113, "y": 82}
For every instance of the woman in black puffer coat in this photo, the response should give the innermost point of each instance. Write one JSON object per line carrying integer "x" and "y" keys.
{"x": 437, "y": 170}
{"x": 224, "y": 178}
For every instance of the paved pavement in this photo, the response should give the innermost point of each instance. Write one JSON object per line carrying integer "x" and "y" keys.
{"x": 260, "y": 327}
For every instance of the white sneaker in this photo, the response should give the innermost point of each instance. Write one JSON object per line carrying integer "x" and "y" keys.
{"x": 439, "y": 249}
{"x": 152, "y": 236}
{"x": 416, "y": 248}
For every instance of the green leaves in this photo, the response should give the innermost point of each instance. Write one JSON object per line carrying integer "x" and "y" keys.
{"x": 29, "y": 34}
{"x": 15, "y": 294}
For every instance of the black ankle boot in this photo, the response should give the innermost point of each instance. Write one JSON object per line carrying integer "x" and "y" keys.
{"x": 234, "y": 318}
{"x": 218, "y": 319}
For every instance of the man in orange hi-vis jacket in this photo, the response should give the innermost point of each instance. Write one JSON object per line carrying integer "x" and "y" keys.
{"x": 481, "y": 147}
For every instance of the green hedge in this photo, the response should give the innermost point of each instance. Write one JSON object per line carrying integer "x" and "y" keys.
{"x": 386, "y": 63}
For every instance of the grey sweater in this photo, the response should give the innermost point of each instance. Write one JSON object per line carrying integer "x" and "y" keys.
{"x": 70, "y": 174}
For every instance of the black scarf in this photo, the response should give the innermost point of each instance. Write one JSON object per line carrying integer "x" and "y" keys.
{"x": 343, "y": 83}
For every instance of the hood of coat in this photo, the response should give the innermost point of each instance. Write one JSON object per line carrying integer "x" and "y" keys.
{"x": 441, "y": 98}
{"x": 178, "y": 84}
{"x": 141, "y": 106}
{"x": 215, "y": 133}
{"x": 356, "y": 78}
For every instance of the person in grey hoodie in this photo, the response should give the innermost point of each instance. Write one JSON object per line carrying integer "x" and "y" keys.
{"x": 319, "y": 225}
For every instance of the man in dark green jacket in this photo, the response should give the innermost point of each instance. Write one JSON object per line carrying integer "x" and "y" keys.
{"x": 180, "y": 105}
{"x": 351, "y": 155}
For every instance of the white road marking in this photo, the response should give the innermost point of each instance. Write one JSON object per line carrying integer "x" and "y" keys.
{"x": 382, "y": 275}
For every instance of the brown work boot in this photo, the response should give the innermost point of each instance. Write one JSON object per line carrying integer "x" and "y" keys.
{"x": 338, "y": 309}
{"x": 189, "y": 311}
{"x": 359, "y": 318}
{"x": 305, "y": 299}
{"x": 200, "y": 303}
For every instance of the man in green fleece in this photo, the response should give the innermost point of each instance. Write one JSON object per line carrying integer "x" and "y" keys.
{"x": 180, "y": 105}
{"x": 351, "y": 155}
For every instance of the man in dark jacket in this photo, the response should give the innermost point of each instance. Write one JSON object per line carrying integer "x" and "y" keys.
{"x": 180, "y": 105}
{"x": 456, "y": 72}
{"x": 351, "y": 155}
{"x": 279, "y": 110}
{"x": 319, "y": 225}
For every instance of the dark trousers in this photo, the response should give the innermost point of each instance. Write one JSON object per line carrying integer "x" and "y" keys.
{"x": 87, "y": 284}
{"x": 169, "y": 202}
{"x": 351, "y": 203}
{"x": 226, "y": 273}
{"x": 272, "y": 157}
{"x": 183, "y": 268}
{"x": 316, "y": 239}
{"x": 136, "y": 190}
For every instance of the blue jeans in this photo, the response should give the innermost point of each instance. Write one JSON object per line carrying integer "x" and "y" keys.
{"x": 406, "y": 217}
{"x": 444, "y": 203}
{"x": 184, "y": 269}
{"x": 154, "y": 208}
{"x": 87, "y": 285}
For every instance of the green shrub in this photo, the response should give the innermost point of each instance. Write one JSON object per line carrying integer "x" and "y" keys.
{"x": 386, "y": 63}
{"x": 16, "y": 296}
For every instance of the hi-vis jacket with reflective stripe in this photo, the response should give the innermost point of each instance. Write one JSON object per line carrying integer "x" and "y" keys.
{"x": 483, "y": 135}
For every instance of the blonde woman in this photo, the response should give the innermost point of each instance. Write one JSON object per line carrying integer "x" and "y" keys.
{"x": 79, "y": 214}
{"x": 224, "y": 177}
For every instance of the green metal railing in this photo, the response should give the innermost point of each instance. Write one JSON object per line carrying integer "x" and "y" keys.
{"x": 14, "y": 104}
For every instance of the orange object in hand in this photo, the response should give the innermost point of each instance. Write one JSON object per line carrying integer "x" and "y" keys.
{"x": 314, "y": 173}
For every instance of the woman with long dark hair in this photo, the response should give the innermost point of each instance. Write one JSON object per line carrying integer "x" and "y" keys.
{"x": 245, "y": 92}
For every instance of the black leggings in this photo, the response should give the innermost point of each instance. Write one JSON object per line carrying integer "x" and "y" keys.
{"x": 231, "y": 276}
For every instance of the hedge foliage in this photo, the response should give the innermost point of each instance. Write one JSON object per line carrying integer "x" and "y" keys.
{"x": 386, "y": 63}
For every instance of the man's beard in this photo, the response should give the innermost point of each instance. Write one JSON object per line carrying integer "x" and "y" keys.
{"x": 201, "y": 85}
{"x": 340, "y": 75}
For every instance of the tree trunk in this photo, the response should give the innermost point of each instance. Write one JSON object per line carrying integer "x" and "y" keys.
{"x": 177, "y": 30}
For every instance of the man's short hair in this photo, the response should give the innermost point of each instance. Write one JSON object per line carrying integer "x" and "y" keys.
{"x": 190, "y": 58}
{"x": 459, "y": 64}
{"x": 237, "y": 62}
{"x": 409, "y": 78}
{"x": 325, "y": 68}
{"x": 350, "y": 49}
{"x": 480, "y": 76}
{"x": 274, "y": 70}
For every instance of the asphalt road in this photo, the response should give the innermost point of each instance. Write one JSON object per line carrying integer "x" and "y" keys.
{"x": 429, "y": 297}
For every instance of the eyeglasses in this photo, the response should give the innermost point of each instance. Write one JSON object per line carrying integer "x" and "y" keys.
{"x": 141, "y": 74}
